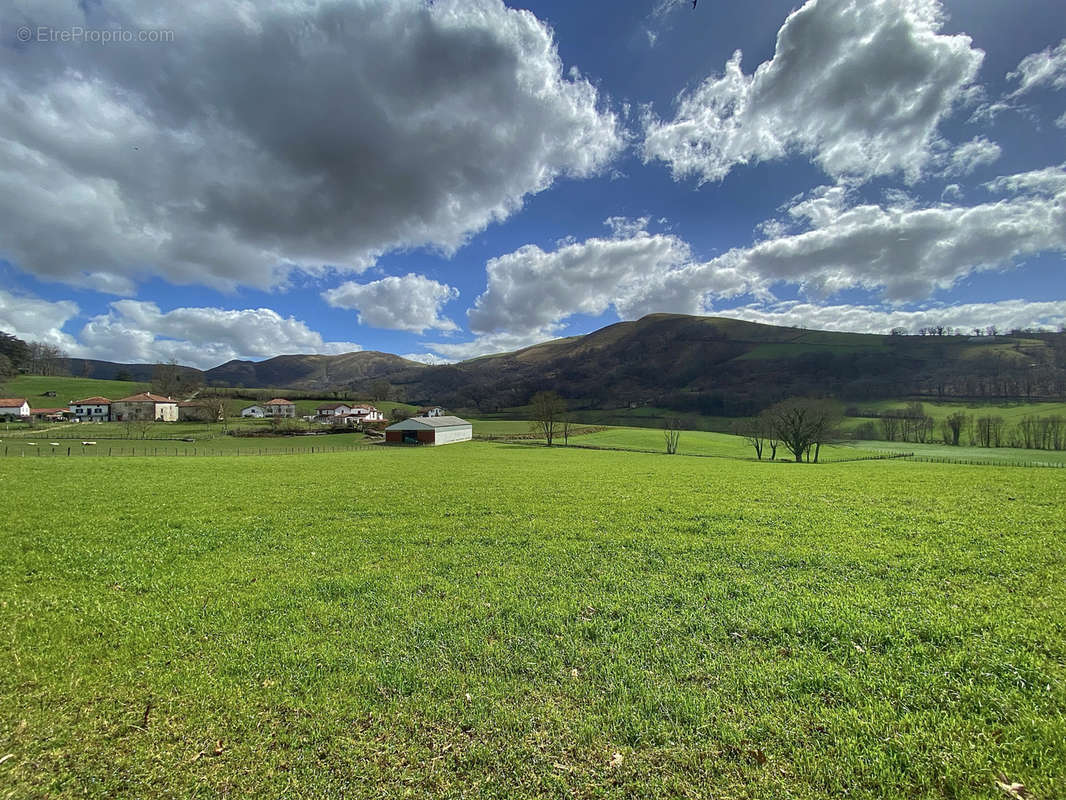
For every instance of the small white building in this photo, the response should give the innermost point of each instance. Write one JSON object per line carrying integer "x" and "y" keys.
{"x": 334, "y": 410}
{"x": 253, "y": 411}
{"x": 14, "y": 408}
{"x": 429, "y": 430}
{"x": 91, "y": 409}
{"x": 431, "y": 411}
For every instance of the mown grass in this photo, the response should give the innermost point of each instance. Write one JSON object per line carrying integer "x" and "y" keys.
{"x": 505, "y": 621}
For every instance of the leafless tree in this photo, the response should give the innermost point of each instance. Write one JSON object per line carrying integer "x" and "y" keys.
{"x": 672, "y": 434}
{"x": 45, "y": 359}
{"x": 548, "y": 412}
{"x": 804, "y": 424}
{"x": 172, "y": 380}
{"x": 566, "y": 427}
{"x": 954, "y": 425}
{"x": 754, "y": 431}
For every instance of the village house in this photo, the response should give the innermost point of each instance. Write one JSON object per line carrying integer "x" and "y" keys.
{"x": 279, "y": 407}
{"x": 430, "y": 411}
{"x": 429, "y": 430}
{"x": 91, "y": 409}
{"x": 145, "y": 406}
{"x": 334, "y": 410}
{"x": 14, "y": 407}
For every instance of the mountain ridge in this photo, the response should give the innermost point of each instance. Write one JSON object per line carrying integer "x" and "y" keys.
{"x": 714, "y": 365}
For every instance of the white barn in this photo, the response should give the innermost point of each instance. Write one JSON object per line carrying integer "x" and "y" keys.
{"x": 253, "y": 411}
{"x": 429, "y": 430}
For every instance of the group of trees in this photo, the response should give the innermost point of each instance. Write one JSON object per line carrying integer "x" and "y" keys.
{"x": 37, "y": 358}
{"x": 800, "y": 424}
{"x": 912, "y": 424}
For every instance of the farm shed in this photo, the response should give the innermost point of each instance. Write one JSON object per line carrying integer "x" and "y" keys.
{"x": 429, "y": 430}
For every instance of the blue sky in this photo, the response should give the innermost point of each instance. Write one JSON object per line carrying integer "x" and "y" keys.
{"x": 216, "y": 181}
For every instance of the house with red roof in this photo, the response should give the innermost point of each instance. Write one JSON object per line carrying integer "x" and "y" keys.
{"x": 145, "y": 406}
{"x": 14, "y": 408}
{"x": 91, "y": 409}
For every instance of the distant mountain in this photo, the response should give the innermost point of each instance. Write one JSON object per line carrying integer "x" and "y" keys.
{"x": 712, "y": 365}
{"x": 110, "y": 370}
{"x": 311, "y": 372}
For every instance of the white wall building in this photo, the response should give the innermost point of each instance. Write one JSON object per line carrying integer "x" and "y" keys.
{"x": 429, "y": 430}
{"x": 91, "y": 409}
{"x": 14, "y": 407}
{"x": 253, "y": 411}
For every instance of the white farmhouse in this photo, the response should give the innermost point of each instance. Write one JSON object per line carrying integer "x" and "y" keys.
{"x": 429, "y": 430}
{"x": 14, "y": 408}
{"x": 145, "y": 406}
{"x": 91, "y": 409}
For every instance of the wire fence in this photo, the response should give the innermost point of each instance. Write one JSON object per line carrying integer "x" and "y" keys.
{"x": 147, "y": 451}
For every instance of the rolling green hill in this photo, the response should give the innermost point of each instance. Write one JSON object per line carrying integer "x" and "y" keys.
{"x": 696, "y": 366}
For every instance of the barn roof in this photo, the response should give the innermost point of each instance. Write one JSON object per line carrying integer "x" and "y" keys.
{"x": 91, "y": 401}
{"x": 431, "y": 422}
{"x": 12, "y": 402}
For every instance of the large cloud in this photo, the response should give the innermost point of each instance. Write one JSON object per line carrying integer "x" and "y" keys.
{"x": 267, "y": 136}
{"x": 134, "y": 331}
{"x": 202, "y": 337}
{"x": 859, "y": 86}
{"x": 531, "y": 290}
{"x": 409, "y": 303}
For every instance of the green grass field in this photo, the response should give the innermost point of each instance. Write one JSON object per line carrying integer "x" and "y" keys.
{"x": 33, "y": 387}
{"x": 488, "y": 620}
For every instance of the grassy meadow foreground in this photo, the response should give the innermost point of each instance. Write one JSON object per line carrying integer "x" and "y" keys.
{"x": 487, "y": 620}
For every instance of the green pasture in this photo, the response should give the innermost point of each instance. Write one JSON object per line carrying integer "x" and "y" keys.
{"x": 505, "y": 621}
{"x": 33, "y": 387}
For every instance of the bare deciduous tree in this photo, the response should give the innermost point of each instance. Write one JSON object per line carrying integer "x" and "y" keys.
{"x": 754, "y": 432}
{"x": 549, "y": 411}
{"x": 672, "y": 434}
{"x": 804, "y": 424}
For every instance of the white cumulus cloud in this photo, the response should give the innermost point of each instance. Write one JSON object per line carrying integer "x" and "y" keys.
{"x": 859, "y": 87}
{"x": 409, "y": 303}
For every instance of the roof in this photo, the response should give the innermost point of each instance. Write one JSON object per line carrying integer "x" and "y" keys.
{"x": 335, "y": 405}
{"x": 431, "y": 422}
{"x": 91, "y": 401}
{"x": 12, "y": 402}
{"x": 50, "y": 411}
{"x": 279, "y": 401}
{"x": 145, "y": 397}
